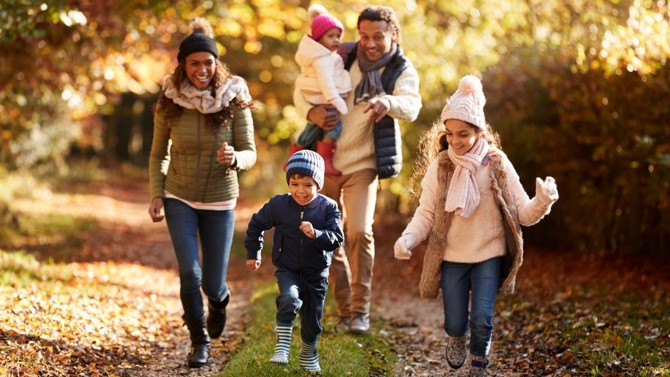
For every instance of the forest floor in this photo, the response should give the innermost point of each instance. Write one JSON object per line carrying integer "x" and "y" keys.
{"x": 106, "y": 302}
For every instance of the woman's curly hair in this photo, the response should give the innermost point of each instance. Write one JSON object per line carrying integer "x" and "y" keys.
{"x": 214, "y": 120}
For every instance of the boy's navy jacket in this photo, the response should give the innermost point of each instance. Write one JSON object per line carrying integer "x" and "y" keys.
{"x": 293, "y": 250}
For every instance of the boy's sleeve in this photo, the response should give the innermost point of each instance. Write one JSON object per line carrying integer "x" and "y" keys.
{"x": 259, "y": 223}
{"x": 331, "y": 237}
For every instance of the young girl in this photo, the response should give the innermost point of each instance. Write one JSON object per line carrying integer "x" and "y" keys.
{"x": 471, "y": 210}
{"x": 322, "y": 80}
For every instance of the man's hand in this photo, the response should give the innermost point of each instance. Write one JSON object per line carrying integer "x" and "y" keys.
{"x": 379, "y": 107}
{"x": 324, "y": 116}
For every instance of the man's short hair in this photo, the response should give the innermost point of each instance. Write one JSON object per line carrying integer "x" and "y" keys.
{"x": 381, "y": 13}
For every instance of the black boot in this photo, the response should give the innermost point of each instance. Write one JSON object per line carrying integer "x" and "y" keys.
{"x": 199, "y": 355}
{"x": 216, "y": 320}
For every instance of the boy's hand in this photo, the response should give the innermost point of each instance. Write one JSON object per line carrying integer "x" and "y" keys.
{"x": 307, "y": 228}
{"x": 253, "y": 264}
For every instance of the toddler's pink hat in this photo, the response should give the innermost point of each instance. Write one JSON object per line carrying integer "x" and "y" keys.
{"x": 322, "y": 21}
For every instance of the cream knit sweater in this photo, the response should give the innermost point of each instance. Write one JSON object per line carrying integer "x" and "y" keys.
{"x": 355, "y": 148}
{"x": 481, "y": 236}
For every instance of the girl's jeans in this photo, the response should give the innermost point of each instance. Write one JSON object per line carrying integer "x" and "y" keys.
{"x": 458, "y": 279}
{"x": 297, "y": 295}
{"x": 215, "y": 230}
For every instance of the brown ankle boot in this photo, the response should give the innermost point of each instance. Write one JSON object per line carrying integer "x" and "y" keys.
{"x": 294, "y": 148}
{"x": 326, "y": 151}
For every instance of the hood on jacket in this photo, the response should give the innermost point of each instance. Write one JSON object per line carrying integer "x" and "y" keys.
{"x": 310, "y": 50}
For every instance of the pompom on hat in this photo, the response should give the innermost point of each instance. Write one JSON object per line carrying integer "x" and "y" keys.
{"x": 322, "y": 21}
{"x": 467, "y": 103}
{"x": 307, "y": 163}
{"x": 200, "y": 40}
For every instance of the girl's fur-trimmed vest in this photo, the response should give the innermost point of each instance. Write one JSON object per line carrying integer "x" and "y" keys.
{"x": 429, "y": 284}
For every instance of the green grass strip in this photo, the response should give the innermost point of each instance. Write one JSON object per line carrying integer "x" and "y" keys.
{"x": 340, "y": 354}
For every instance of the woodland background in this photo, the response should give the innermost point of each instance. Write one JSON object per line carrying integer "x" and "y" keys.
{"x": 577, "y": 89}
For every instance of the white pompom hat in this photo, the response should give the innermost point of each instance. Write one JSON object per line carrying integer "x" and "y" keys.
{"x": 467, "y": 103}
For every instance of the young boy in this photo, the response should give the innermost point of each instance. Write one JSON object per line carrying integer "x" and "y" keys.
{"x": 307, "y": 228}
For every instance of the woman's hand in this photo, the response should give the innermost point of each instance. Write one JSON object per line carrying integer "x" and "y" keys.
{"x": 226, "y": 155}
{"x": 155, "y": 209}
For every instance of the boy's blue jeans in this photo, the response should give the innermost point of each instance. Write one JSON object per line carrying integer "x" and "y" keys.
{"x": 215, "y": 231}
{"x": 297, "y": 295}
{"x": 483, "y": 280}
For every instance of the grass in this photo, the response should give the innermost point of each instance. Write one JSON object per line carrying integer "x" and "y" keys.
{"x": 340, "y": 354}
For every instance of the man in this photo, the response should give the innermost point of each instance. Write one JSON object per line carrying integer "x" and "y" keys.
{"x": 386, "y": 89}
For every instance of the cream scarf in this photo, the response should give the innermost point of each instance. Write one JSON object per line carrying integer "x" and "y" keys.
{"x": 463, "y": 192}
{"x": 190, "y": 97}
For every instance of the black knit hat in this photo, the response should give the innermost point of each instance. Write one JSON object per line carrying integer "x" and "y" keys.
{"x": 199, "y": 40}
{"x": 307, "y": 163}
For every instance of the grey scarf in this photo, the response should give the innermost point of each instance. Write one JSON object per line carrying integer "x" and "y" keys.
{"x": 371, "y": 82}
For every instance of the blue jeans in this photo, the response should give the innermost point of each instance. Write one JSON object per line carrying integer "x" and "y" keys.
{"x": 215, "y": 230}
{"x": 483, "y": 280}
{"x": 297, "y": 295}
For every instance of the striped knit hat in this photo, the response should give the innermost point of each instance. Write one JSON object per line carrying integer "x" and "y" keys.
{"x": 322, "y": 21}
{"x": 307, "y": 163}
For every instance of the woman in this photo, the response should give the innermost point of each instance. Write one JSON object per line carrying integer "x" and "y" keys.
{"x": 203, "y": 134}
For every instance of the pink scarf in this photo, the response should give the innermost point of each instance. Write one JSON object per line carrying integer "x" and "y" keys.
{"x": 463, "y": 192}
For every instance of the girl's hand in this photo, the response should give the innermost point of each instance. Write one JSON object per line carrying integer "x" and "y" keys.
{"x": 253, "y": 264}
{"x": 402, "y": 247}
{"x": 155, "y": 209}
{"x": 307, "y": 228}
{"x": 546, "y": 190}
{"x": 226, "y": 155}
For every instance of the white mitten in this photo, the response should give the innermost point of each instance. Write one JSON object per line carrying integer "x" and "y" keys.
{"x": 339, "y": 104}
{"x": 546, "y": 191}
{"x": 403, "y": 245}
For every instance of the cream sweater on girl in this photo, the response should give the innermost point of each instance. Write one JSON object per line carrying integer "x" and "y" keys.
{"x": 481, "y": 236}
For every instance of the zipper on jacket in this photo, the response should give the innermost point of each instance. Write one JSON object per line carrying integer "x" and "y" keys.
{"x": 197, "y": 161}
{"x": 302, "y": 249}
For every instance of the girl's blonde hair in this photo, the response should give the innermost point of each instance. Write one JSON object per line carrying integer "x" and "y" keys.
{"x": 432, "y": 142}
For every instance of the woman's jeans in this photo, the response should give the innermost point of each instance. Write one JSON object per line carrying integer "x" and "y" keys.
{"x": 215, "y": 230}
{"x": 297, "y": 295}
{"x": 483, "y": 279}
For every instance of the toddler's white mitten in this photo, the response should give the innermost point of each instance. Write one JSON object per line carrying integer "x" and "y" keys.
{"x": 546, "y": 190}
{"x": 339, "y": 104}
{"x": 402, "y": 246}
